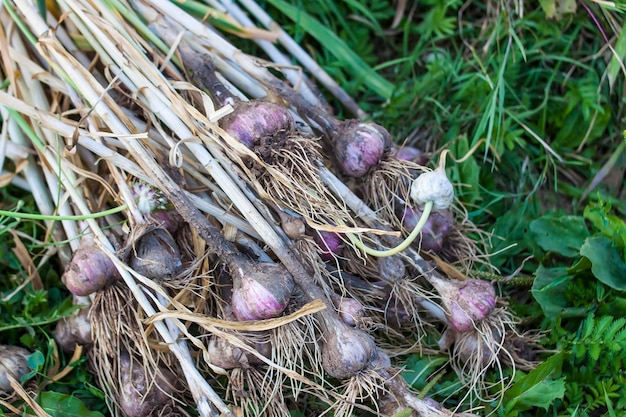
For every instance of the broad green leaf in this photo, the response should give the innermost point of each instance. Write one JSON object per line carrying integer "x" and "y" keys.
{"x": 549, "y": 290}
{"x": 63, "y": 405}
{"x": 606, "y": 263}
{"x": 419, "y": 369}
{"x": 560, "y": 234}
{"x": 538, "y": 388}
{"x": 337, "y": 47}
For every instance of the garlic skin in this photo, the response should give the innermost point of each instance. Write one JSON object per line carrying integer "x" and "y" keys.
{"x": 89, "y": 270}
{"x": 474, "y": 301}
{"x": 14, "y": 363}
{"x": 360, "y": 146}
{"x": 347, "y": 352}
{"x": 261, "y": 291}
{"x": 254, "y": 120}
{"x": 350, "y": 310}
{"x": 433, "y": 186}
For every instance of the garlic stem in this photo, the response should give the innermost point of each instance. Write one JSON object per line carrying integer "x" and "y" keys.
{"x": 403, "y": 245}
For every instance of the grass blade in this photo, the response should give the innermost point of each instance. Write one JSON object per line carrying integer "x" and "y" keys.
{"x": 338, "y": 48}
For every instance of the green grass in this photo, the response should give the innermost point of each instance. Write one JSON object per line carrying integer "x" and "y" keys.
{"x": 546, "y": 96}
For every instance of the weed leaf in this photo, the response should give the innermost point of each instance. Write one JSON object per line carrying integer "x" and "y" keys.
{"x": 606, "y": 263}
{"x": 63, "y": 405}
{"x": 537, "y": 388}
{"x": 550, "y": 291}
{"x": 563, "y": 234}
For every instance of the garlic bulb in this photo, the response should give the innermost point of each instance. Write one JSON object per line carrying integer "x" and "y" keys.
{"x": 14, "y": 363}
{"x": 261, "y": 290}
{"x": 360, "y": 146}
{"x": 89, "y": 270}
{"x": 433, "y": 186}
{"x": 156, "y": 255}
{"x": 347, "y": 352}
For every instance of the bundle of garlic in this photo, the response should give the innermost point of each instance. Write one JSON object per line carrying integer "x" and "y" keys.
{"x": 243, "y": 250}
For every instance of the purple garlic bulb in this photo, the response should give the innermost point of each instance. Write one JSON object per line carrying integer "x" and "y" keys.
{"x": 436, "y": 230}
{"x": 468, "y": 302}
{"x": 261, "y": 290}
{"x": 410, "y": 153}
{"x": 257, "y": 119}
{"x": 330, "y": 244}
{"x": 476, "y": 300}
{"x": 360, "y": 146}
{"x": 89, "y": 270}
